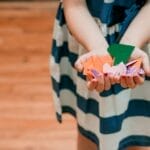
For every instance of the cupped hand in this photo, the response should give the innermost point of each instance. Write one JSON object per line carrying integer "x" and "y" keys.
{"x": 100, "y": 83}
{"x": 131, "y": 81}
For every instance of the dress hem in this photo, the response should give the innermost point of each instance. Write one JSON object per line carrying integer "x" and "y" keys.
{"x": 128, "y": 142}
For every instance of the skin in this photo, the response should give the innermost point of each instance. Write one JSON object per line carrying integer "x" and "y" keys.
{"x": 85, "y": 144}
{"x": 133, "y": 81}
{"x": 137, "y": 36}
{"x": 90, "y": 36}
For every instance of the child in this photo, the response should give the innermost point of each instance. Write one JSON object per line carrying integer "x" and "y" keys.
{"x": 107, "y": 111}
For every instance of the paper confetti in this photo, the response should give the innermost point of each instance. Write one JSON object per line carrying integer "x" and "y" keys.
{"x": 96, "y": 66}
{"x": 93, "y": 67}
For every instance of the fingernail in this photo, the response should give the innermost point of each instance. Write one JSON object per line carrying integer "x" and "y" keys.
{"x": 106, "y": 74}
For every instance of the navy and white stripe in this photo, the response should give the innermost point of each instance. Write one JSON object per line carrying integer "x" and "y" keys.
{"x": 113, "y": 119}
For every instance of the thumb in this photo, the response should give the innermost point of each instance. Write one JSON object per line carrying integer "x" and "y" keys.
{"x": 78, "y": 65}
{"x": 146, "y": 65}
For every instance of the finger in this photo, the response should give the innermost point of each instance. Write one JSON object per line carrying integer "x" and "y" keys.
{"x": 130, "y": 82}
{"x": 117, "y": 79}
{"x": 138, "y": 80}
{"x": 92, "y": 84}
{"x": 100, "y": 85}
{"x": 79, "y": 66}
{"x": 112, "y": 81}
{"x": 123, "y": 82}
{"x": 107, "y": 84}
{"x": 146, "y": 65}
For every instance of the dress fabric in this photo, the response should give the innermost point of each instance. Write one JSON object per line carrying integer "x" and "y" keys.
{"x": 113, "y": 119}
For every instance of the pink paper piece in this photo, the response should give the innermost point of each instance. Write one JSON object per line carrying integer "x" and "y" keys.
{"x": 115, "y": 70}
{"x": 106, "y": 68}
{"x": 121, "y": 69}
{"x": 131, "y": 63}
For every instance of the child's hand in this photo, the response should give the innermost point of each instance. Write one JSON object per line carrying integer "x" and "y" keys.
{"x": 133, "y": 81}
{"x": 100, "y": 84}
{"x": 138, "y": 53}
{"x": 79, "y": 64}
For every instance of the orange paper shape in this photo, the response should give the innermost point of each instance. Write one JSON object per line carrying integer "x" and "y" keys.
{"x": 96, "y": 63}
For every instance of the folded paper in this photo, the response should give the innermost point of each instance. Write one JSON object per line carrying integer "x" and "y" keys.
{"x": 120, "y": 52}
{"x": 93, "y": 67}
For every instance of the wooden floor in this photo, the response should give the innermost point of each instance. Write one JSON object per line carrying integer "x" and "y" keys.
{"x": 27, "y": 118}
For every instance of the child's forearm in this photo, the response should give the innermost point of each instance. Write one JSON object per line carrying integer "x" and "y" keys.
{"x": 138, "y": 32}
{"x": 83, "y": 27}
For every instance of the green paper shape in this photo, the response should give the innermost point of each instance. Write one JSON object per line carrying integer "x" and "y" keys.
{"x": 120, "y": 52}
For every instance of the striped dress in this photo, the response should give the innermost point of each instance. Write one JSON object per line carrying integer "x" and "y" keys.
{"x": 113, "y": 119}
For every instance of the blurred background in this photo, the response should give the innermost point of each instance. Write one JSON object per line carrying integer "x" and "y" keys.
{"x": 27, "y": 115}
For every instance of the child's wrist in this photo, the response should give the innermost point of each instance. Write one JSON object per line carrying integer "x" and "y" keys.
{"x": 128, "y": 41}
{"x": 100, "y": 49}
